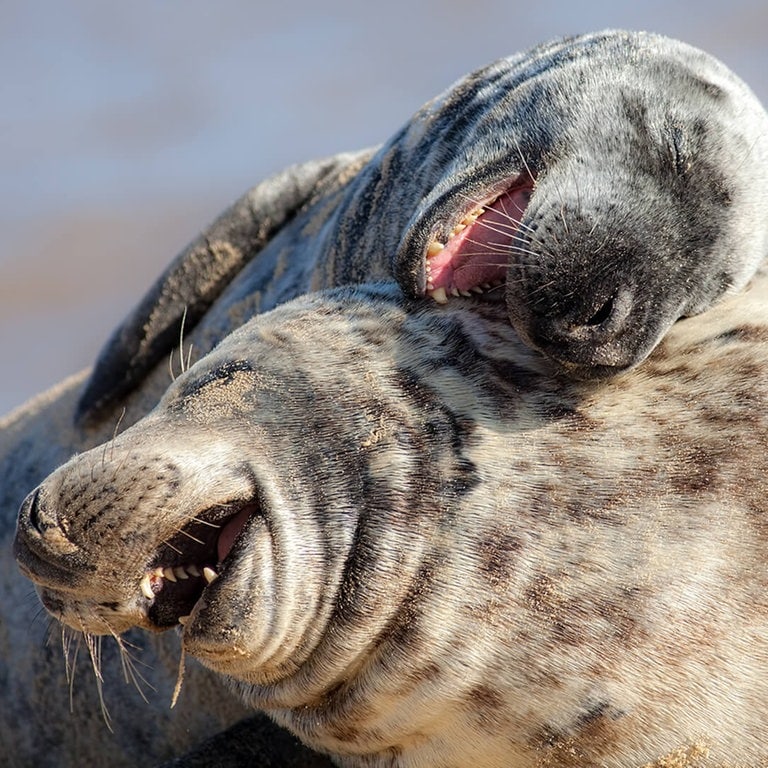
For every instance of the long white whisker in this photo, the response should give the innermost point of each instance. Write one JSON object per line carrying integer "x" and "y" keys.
{"x": 522, "y": 158}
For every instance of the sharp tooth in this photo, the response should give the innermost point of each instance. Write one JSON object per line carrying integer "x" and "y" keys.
{"x": 455, "y": 292}
{"x": 184, "y": 619}
{"x": 465, "y": 293}
{"x": 434, "y": 248}
{"x": 146, "y": 587}
{"x": 169, "y": 574}
{"x": 210, "y": 575}
{"x": 439, "y": 295}
{"x": 458, "y": 228}
{"x": 476, "y": 289}
{"x": 486, "y": 286}
{"x": 180, "y": 572}
{"x": 193, "y": 570}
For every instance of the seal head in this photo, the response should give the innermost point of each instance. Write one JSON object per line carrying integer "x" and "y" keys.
{"x": 604, "y": 186}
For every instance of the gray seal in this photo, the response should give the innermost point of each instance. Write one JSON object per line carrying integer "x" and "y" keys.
{"x": 389, "y": 527}
{"x": 602, "y": 186}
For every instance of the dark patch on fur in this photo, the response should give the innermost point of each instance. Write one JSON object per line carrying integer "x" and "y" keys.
{"x": 585, "y": 729}
{"x": 497, "y": 555}
{"x": 487, "y": 706}
{"x": 744, "y": 333}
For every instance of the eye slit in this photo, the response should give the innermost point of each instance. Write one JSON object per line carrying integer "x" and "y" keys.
{"x": 679, "y": 149}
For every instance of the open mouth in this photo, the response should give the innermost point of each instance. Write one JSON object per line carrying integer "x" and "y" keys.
{"x": 187, "y": 564}
{"x": 474, "y": 257}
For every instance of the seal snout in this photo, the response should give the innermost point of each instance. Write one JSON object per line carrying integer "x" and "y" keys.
{"x": 39, "y": 536}
{"x": 593, "y": 340}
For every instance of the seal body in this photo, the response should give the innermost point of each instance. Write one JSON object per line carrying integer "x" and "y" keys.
{"x": 341, "y": 220}
{"x": 390, "y": 528}
{"x": 602, "y": 186}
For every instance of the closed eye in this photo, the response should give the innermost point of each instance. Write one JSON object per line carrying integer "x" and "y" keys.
{"x": 679, "y": 149}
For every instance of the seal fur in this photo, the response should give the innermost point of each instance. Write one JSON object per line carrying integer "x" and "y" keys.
{"x": 256, "y": 264}
{"x": 612, "y": 183}
{"x": 428, "y": 550}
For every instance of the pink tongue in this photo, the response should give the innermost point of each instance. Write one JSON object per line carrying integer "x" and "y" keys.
{"x": 480, "y": 253}
{"x": 230, "y": 532}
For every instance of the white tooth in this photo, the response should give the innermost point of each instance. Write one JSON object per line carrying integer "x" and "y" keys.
{"x": 210, "y": 575}
{"x": 486, "y": 286}
{"x": 439, "y": 295}
{"x": 169, "y": 574}
{"x": 434, "y": 248}
{"x": 455, "y": 292}
{"x": 430, "y": 286}
{"x": 476, "y": 289}
{"x": 193, "y": 570}
{"x": 146, "y": 587}
{"x": 184, "y": 619}
{"x": 180, "y": 572}
{"x": 465, "y": 293}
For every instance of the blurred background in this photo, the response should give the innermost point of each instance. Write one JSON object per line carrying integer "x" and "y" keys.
{"x": 126, "y": 127}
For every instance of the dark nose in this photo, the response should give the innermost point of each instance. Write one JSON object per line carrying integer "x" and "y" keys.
{"x": 590, "y": 335}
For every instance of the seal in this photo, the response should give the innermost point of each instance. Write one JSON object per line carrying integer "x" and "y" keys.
{"x": 393, "y": 530}
{"x": 603, "y": 186}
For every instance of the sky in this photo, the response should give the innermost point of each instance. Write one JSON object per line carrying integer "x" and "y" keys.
{"x": 126, "y": 128}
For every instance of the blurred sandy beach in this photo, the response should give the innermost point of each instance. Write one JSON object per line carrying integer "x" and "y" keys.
{"x": 125, "y": 128}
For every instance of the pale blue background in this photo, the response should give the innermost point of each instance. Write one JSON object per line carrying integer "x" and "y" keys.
{"x": 125, "y": 127}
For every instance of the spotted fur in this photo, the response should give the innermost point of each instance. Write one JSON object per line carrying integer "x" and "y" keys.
{"x": 646, "y": 164}
{"x": 313, "y": 226}
{"x": 443, "y": 554}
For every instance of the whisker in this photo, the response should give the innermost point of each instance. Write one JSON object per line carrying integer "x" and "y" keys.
{"x": 179, "y": 677}
{"x": 170, "y": 546}
{"x": 111, "y": 443}
{"x": 204, "y": 522}
{"x": 504, "y": 229}
{"x": 522, "y": 158}
{"x": 508, "y": 248}
{"x": 170, "y": 365}
{"x": 181, "y": 339}
{"x": 190, "y": 536}
{"x": 131, "y": 675}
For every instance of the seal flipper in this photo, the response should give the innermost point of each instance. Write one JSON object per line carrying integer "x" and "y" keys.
{"x": 197, "y": 277}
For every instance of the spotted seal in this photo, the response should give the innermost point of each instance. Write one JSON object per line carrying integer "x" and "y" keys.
{"x": 611, "y": 182}
{"x": 391, "y": 528}
{"x": 297, "y": 231}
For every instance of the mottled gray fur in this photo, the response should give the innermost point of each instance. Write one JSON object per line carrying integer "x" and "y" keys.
{"x": 648, "y": 161}
{"x": 444, "y": 555}
{"x": 316, "y": 225}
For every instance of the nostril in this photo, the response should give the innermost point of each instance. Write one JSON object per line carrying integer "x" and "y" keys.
{"x": 33, "y": 512}
{"x": 602, "y": 314}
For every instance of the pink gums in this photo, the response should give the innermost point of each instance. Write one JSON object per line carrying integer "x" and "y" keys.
{"x": 230, "y": 531}
{"x": 479, "y": 254}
